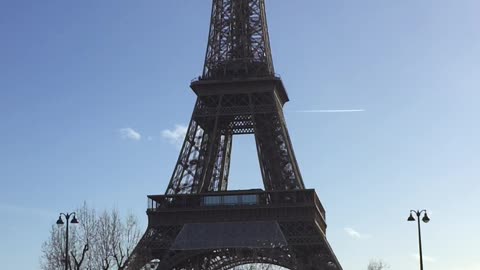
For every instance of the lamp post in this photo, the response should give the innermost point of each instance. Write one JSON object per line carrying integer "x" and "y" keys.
{"x": 60, "y": 223}
{"x": 425, "y": 219}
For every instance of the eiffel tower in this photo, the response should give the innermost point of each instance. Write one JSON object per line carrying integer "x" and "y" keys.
{"x": 199, "y": 223}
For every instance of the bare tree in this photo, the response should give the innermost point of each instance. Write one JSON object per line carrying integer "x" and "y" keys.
{"x": 104, "y": 241}
{"x": 79, "y": 237}
{"x": 53, "y": 250}
{"x": 377, "y": 265}
{"x": 126, "y": 236}
{"x": 97, "y": 242}
{"x": 83, "y": 234}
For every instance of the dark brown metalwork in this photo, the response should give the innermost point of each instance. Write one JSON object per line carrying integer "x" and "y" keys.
{"x": 223, "y": 109}
{"x": 238, "y": 42}
{"x": 198, "y": 223}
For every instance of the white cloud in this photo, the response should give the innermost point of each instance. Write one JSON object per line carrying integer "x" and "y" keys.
{"x": 425, "y": 258}
{"x": 130, "y": 134}
{"x": 355, "y": 234}
{"x": 331, "y": 111}
{"x": 176, "y": 135}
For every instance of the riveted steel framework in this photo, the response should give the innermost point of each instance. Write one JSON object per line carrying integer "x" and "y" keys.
{"x": 298, "y": 215}
{"x": 238, "y": 93}
{"x": 203, "y": 164}
{"x": 238, "y": 42}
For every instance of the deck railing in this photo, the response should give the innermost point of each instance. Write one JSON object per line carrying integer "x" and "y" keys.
{"x": 236, "y": 198}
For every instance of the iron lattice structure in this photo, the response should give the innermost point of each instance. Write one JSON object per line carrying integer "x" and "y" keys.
{"x": 199, "y": 223}
{"x": 238, "y": 42}
{"x": 237, "y": 94}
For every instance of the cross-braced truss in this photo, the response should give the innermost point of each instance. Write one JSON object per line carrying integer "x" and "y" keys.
{"x": 238, "y": 42}
{"x": 204, "y": 160}
{"x": 308, "y": 257}
{"x": 238, "y": 93}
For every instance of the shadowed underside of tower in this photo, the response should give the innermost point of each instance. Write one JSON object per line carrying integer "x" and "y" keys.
{"x": 199, "y": 223}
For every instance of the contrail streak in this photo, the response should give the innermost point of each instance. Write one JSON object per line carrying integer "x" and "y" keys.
{"x": 331, "y": 111}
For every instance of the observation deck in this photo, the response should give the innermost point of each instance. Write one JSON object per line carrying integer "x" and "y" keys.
{"x": 299, "y": 208}
{"x": 208, "y": 87}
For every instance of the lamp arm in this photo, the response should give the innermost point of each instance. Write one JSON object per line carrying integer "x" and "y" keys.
{"x": 418, "y": 212}
{"x": 68, "y": 215}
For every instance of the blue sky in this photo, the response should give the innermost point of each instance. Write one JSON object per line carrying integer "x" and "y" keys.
{"x": 73, "y": 74}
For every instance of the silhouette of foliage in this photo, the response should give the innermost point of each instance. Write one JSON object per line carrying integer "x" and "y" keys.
{"x": 377, "y": 265}
{"x": 102, "y": 241}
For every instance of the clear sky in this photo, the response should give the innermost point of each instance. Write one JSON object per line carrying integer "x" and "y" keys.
{"x": 92, "y": 93}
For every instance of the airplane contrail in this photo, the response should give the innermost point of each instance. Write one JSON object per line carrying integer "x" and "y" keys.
{"x": 331, "y": 111}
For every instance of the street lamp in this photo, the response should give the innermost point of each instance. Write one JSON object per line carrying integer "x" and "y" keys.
{"x": 60, "y": 223}
{"x": 425, "y": 219}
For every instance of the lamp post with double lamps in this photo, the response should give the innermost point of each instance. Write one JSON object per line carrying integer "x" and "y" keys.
{"x": 60, "y": 223}
{"x": 425, "y": 219}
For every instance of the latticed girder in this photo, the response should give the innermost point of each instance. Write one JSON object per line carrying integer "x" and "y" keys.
{"x": 204, "y": 161}
{"x": 308, "y": 258}
{"x": 238, "y": 42}
{"x": 208, "y": 232}
{"x": 199, "y": 225}
{"x": 223, "y": 259}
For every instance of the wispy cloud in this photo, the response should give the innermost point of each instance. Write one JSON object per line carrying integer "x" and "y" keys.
{"x": 355, "y": 234}
{"x": 331, "y": 111}
{"x": 129, "y": 134}
{"x": 175, "y": 136}
{"x": 416, "y": 256}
